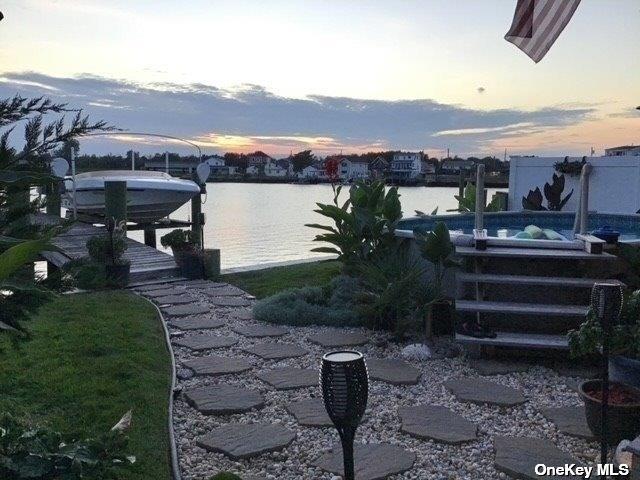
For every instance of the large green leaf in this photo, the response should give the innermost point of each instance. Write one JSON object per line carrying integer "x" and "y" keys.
{"x": 12, "y": 259}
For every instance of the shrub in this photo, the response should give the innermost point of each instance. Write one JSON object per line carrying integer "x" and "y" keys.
{"x": 226, "y": 476}
{"x": 331, "y": 305}
{"x": 179, "y": 240}
{"x": 625, "y": 337}
{"x": 40, "y": 453}
{"x": 392, "y": 296}
{"x": 108, "y": 249}
{"x": 86, "y": 274}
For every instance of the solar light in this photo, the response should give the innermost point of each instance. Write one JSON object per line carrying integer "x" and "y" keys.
{"x": 606, "y": 302}
{"x": 345, "y": 389}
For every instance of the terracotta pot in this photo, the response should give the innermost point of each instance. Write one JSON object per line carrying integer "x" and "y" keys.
{"x": 623, "y": 419}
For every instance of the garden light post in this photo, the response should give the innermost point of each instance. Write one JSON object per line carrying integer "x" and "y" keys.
{"x": 606, "y": 302}
{"x": 345, "y": 389}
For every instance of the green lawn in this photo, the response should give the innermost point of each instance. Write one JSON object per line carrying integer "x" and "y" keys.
{"x": 263, "y": 283}
{"x": 93, "y": 357}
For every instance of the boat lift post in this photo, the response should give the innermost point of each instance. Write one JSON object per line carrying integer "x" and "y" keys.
{"x": 73, "y": 179}
{"x": 166, "y": 162}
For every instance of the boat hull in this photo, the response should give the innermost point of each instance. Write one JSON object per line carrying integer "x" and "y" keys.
{"x": 148, "y": 199}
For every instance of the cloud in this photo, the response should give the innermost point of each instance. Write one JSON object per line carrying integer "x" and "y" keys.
{"x": 250, "y": 116}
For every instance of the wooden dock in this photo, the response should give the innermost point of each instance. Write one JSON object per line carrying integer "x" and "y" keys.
{"x": 147, "y": 263}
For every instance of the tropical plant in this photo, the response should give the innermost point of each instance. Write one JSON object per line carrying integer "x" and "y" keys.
{"x": 467, "y": 201}
{"x": 573, "y": 168}
{"x": 436, "y": 248}
{"x": 43, "y": 454}
{"x": 364, "y": 224}
{"x": 21, "y": 240}
{"x": 553, "y": 194}
{"x": 624, "y": 339}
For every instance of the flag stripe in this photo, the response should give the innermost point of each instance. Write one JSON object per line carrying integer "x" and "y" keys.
{"x": 538, "y": 23}
{"x": 554, "y": 29}
{"x": 522, "y": 25}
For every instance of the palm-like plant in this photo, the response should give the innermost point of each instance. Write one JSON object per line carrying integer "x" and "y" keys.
{"x": 364, "y": 224}
{"x": 21, "y": 240}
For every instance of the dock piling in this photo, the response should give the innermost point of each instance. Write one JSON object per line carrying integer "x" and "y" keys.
{"x": 115, "y": 201}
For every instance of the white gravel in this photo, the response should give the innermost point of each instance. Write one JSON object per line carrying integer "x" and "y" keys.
{"x": 541, "y": 386}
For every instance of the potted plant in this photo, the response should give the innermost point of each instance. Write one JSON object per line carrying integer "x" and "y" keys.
{"x": 108, "y": 250}
{"x": 188, "y": 255}
{"x": 436, "y": 247}
{"x": 624, "y": 371}
{"x": 624, "y": 364}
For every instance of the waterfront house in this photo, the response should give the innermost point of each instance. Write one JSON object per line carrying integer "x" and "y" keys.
{"x": 313, "y": 172}
{"x": 379, "y": 167}
{"x": 257, "y": 159}
{"x": 276, "y": 168}
{"x": 429, "y": 166}
{"x": 253, "y": 170}
{"x": 183, "y": 166}
{"x": 622, "y": 151}
{"x": 353, "y": 169}
{"x": 406, "y": 166}
{"x": 456, "y": 165}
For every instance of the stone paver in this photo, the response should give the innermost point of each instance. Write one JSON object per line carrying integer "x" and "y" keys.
{"x": 174, "y": 300}
{"x": 437, "y": 423}
{"x": 569, "y": 420}
{"x": 518, "y": 457}
{"x": 225, "y": 291}
{"x": 372, "y": 461}
{"x": 186, "y": 310}
{"x": 576, "y": 370}
{"x": 276, "y": 351}
{"x": 197, "y": 323}
{"x": 238, "y": 441}
{"x": 310, "y": 412}
{"x": 498, "y": 367}
{"x": 338, "y": 339}
{"x": 395, "y": 372}
{"x": 290, "y": 378}
{"x": 214, "y": 365}
{"x": 259, "y": 331}
{"x": 205, "y": 342}
{"x": 229, "y": 301}
{"x": 477, "y": 390}
{"x": 223, "y": 399}
{"x": 164, "y": 292}
{"x": 242, "y": 314}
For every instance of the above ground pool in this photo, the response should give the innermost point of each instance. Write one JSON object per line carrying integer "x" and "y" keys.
{"x": 507, "y": 224}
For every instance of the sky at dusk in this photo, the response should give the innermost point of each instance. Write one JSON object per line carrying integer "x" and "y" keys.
{"x": 329, "y": 75}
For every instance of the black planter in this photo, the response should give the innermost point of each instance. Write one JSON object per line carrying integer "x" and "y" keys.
{"x": 118, "y": 275}
{"x": 623, "y": 420}
{"x": 191, "y": 264}
{"x": 625, "y": 370}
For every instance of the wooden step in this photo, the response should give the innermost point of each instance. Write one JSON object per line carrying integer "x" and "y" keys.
{"x": 539, "y": 253}
{"x": 511, "y": 308}
{"x": 518, "y": 340}
{"x": 529, "y": 280}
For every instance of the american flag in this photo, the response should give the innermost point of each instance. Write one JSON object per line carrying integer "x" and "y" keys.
{"x": 538, "y": 23}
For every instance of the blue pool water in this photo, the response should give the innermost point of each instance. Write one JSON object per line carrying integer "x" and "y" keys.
{"x": 507, "y": 224}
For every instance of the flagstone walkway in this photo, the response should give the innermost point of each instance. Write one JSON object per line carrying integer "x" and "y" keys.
{"x": 250, "y": 403}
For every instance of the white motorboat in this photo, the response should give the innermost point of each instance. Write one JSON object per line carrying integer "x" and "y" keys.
{"x": 150, "y": 195}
